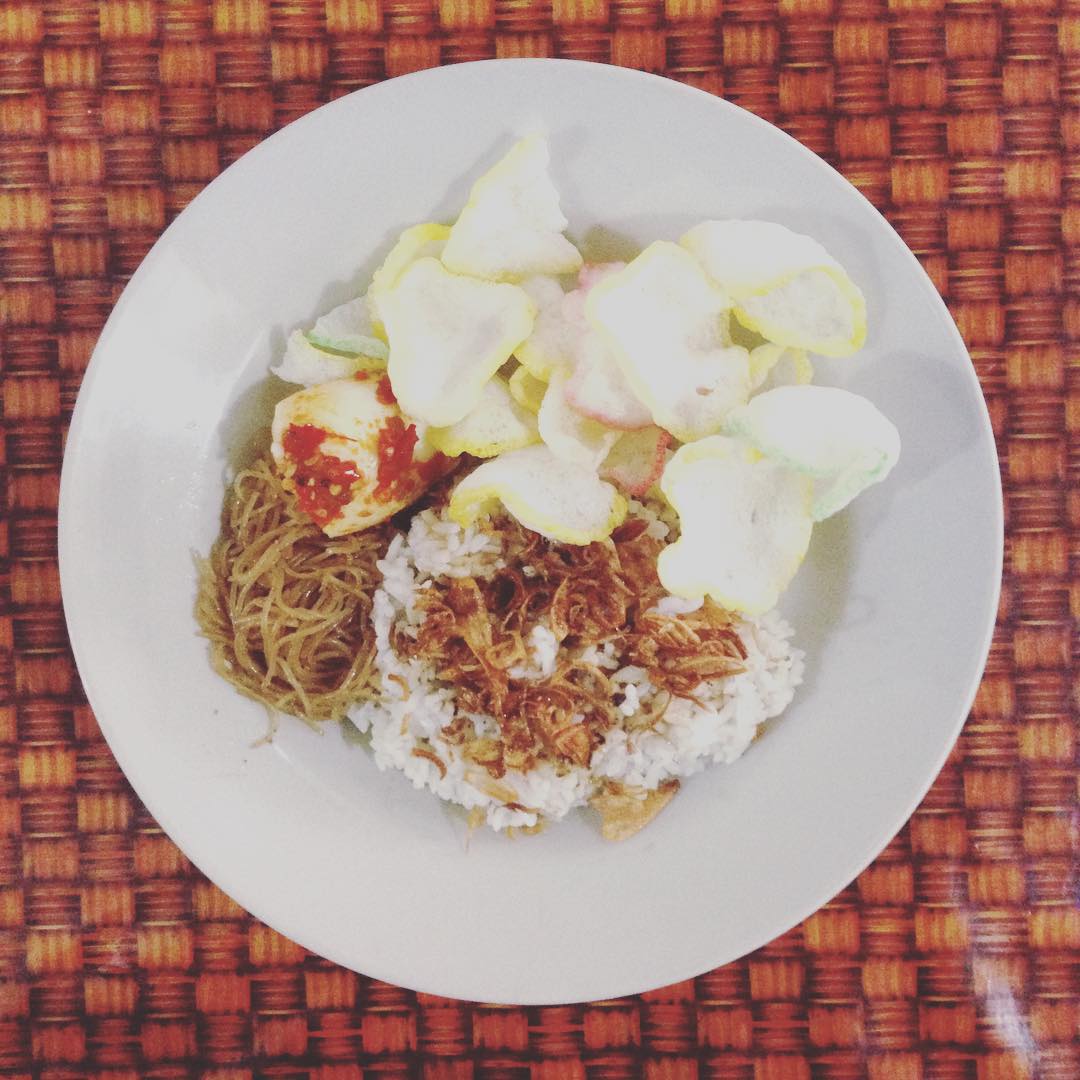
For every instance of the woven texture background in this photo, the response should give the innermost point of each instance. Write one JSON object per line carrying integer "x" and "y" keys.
{"x": 956, "y": 956}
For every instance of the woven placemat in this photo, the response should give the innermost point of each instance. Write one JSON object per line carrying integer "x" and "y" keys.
{"x": 956, "y": 956}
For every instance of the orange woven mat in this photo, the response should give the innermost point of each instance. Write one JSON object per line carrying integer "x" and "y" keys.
{"x": 956, "y": 956}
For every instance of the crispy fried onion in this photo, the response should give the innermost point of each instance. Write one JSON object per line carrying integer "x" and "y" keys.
{"x": 626, "y": 810}
{"x": 474, "y": 634}
{"x": 680, "y": 652}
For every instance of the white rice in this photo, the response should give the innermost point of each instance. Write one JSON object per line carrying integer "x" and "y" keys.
{"x": 543, "y": 653}
{"x": 416, "y": 705}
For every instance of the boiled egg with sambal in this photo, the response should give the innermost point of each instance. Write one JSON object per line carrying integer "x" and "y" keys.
{"x": 349, "y": 455}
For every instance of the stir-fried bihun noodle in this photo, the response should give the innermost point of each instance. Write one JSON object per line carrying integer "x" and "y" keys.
{"x": 287, "y": 610}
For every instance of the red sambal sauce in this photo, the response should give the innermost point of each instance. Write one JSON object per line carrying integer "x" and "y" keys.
{"x": 384, "y": 392}
{"x": 397, "y": 466}
{"x": 324, "y": 483}
{"x": 397, "y": 442}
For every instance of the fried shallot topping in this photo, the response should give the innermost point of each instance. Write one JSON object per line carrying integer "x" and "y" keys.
{"x": 474, "y": 633}
{"x": 625, "y": 811}
{"x": 680, "y": 652}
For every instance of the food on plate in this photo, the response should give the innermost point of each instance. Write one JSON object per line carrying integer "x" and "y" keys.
{"x": 782, "y": 284}
{"x": 512, "y": 225}
{"x": 560, "y": 499}
{"x": 287, "y": 610}
{"x": 776, "y": 365}
{"x": 448, "y": 336}
{"x": 349, "y": 455}
{"x": 636, "y": 460}
{"x": 567, "y": 432}
{"x": 745, "y": 524}
{"x": 341, "y": 343}
{"x": 527, "y": 390}
{"x": 666, "y": 323}
{"x": 831, "y": 435}
{"x": 423, "y": 241}
{"x": 525, "y": 523}
{"x": 496, "y": 423}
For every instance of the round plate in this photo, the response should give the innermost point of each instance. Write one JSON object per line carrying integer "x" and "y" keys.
{"x": 895, "y": 604}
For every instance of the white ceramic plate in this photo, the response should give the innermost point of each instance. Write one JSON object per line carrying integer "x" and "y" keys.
{"x": 895, "y": 604}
